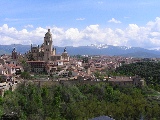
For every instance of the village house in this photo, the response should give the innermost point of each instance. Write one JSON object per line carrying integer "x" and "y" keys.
{"x": 13, "y": 69}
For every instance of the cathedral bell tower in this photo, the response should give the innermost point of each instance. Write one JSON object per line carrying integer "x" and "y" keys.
{"x": 14, "y": 54}
{"x": 47, "y": 46}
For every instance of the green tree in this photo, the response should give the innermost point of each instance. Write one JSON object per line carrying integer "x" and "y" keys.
{"x": 26, "y": 75}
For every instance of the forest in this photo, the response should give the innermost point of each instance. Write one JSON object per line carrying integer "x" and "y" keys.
{"x": 80, "y": 102}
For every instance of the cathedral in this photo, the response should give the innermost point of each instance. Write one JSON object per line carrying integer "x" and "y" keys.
{"x": 46, "y": 52}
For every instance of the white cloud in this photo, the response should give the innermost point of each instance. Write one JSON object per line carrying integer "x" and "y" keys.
{"x": 28, "y": 26}
{"x": 73, "y": 34}
{"x": 11, "y": 35}
{"x": 92, "y": 28}
{"x": 113, "y": 20}
{"x": 147, "y": 36}
{"x": 80, "y": 19}
{"x": 154, "y": 25}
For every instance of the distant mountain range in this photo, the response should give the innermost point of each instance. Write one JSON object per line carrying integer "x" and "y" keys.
{"x": 94, "y": 49}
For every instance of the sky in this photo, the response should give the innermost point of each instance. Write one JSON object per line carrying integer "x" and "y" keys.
{"x": 133, "y": 23}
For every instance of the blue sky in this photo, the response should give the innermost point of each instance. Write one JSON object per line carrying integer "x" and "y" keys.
{"x": 81, "y": 22}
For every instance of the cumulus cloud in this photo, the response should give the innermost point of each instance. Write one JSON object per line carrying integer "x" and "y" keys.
{"x": 113, "y": 20}
{"x": 73, "y": 34}
{"x": 80, "y": 19}
{"x": 12, "y": 35}
{"x": 154, "y": 25}
{"x": 147, "y": 36}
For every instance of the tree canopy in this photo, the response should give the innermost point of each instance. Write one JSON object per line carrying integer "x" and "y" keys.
{"x": 81, "y": 101}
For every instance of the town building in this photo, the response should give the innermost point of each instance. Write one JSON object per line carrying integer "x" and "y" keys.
{"x": 40, "y": 56}
{"x": 46, "y": 52}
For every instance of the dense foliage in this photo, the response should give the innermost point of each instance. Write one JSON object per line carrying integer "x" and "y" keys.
{"x": 79, "y": 102}
{"x": 150, "y": 71}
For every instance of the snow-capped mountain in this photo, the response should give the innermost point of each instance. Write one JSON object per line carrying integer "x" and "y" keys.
{"x": 102, "y": 46}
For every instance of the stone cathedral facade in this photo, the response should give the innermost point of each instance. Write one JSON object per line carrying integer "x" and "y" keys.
{"x": 46, "y": 52}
